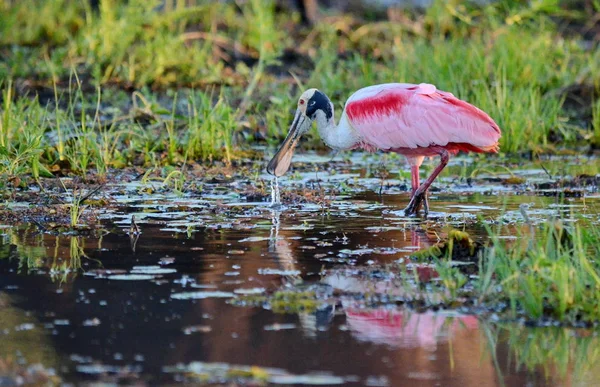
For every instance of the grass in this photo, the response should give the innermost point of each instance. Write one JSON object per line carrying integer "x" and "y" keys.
{"x": 546, "y": 273}
{"x": 553, "y": 352}
{"x": 21, "y": 137}
{"x": 209, "y": 77}
{"x": 596, "y": 124}
{"x": 549, "y": 271}
{"x": 39, "y": 139}
{"x": 75, "y": 204}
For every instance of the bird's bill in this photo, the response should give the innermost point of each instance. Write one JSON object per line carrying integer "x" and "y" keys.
{"x": 280, "y": 163}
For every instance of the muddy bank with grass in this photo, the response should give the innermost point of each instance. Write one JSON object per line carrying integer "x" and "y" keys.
{"x": 151, "y": 85}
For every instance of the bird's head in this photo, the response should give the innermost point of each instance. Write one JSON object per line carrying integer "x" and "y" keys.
{"x": 312, "y": 105}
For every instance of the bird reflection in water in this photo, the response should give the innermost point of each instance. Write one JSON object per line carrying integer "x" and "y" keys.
{"x": 283, "y": 250}
{"x": 395, "y": 326}
{"x": 404, "y": 328}
{"x": 391, "y": 325}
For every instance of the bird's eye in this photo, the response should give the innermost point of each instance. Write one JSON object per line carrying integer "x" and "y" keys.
{"x": 301, "y": 102}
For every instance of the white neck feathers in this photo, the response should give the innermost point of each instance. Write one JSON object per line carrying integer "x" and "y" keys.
{"x": 338, "y": 137}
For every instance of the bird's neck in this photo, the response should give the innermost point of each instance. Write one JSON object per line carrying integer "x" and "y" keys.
{"x": 338, "y": 137}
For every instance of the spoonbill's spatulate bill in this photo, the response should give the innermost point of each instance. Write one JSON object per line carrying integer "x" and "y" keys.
{"x": 413, "y": 120}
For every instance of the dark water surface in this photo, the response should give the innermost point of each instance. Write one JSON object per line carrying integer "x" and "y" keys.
{"x": 156, "y": 309}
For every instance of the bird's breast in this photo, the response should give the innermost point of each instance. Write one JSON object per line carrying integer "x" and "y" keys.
{"x": 340, "y": 137}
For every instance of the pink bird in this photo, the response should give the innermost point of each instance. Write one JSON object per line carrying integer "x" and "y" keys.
{"x": 416, "y": 121}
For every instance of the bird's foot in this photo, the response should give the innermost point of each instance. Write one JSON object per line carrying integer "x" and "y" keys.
{"x": 418, "y": 200}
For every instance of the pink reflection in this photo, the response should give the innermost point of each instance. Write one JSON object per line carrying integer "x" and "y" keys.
{"x": 406, "y": 329}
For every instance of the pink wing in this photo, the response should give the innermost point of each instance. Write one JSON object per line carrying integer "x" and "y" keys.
{"x": 400, "y": 115}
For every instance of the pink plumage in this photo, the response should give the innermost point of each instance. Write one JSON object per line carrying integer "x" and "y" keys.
{"x": 414, "y": 120}
{"x": 411, "y": 119}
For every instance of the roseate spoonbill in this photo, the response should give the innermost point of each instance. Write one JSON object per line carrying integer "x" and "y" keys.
{"x": 414, "y": 120}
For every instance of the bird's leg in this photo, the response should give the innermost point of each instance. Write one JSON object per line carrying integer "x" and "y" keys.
{"x": 414, "y": 177}
{"x": 414, "y": 205}
{"x": 420, "y": 195}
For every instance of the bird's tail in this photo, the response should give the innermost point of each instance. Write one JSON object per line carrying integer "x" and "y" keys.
{"x": 495, "y": 148}
{"x": 466, "y": 147}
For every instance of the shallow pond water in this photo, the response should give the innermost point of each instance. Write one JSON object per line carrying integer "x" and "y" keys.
{"x": 159, "y": 307}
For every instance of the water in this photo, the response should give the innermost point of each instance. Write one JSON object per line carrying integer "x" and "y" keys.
{"x": 275, "y": 194}
{"x": 160, "y": 306}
